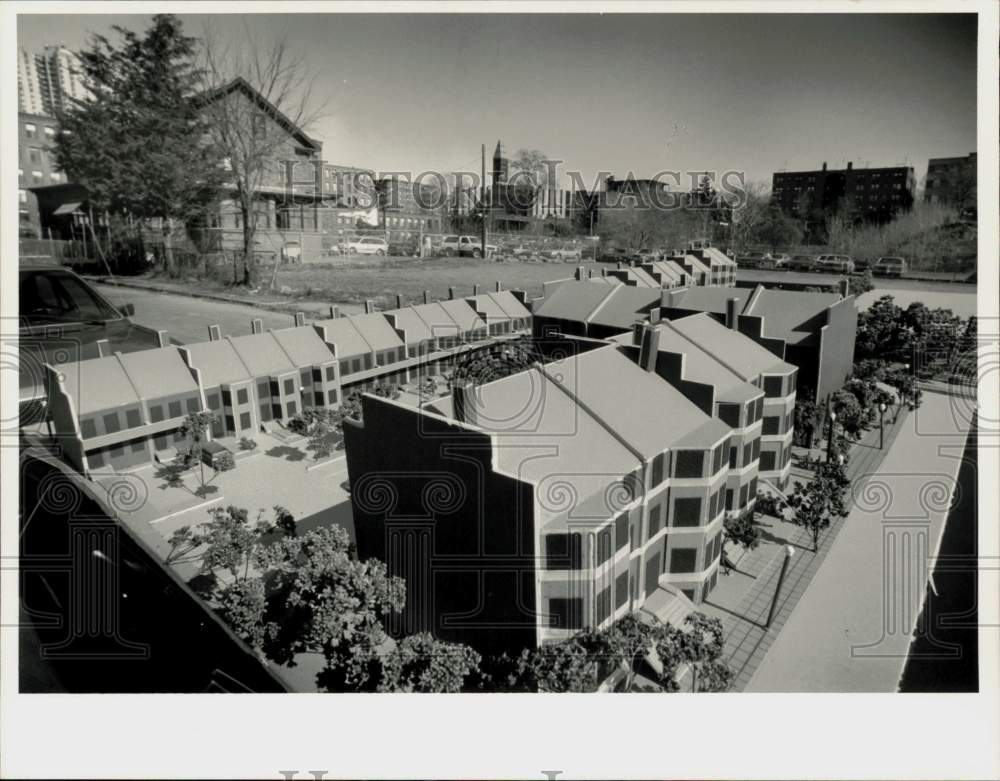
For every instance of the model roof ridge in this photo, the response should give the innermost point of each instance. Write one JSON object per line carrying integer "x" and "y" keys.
{"x": 666, "y": 323}
{"x": 752, "y": 300}
{"x": 603, "y": 302}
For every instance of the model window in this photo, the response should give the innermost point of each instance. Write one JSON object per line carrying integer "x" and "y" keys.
{"x": 289, "y": 387}
{"x": 604, "y": 605}
{"x": 621, "y": 531}
{"x": 689, "y": 463}
{"x": 730, "y": 414}
{"x": 657, "y": 476}
{"x": 621, "y": 589}
{"x": 563, "y": 551}
{"x": 87, "y": 428}
{"x": 605, "y": 550}
{"x": 331, "y": 396}
{"x": 654, "y": 520}
{"x": 132, "y": 419}
{"x": 241, "y": 396}
{"x": 687, "y": 511}
{"x": 683, "y": 560}
{"x": 566, "y": 613}
{"x": 772, "y": 387}
{"x": 772, "y": 425}
{"x": 306, "y": 376}
{"x": 111, "y": 423}
{"x": 767, "y": 460}
{"x": 174, "y": 409}
{"x": 331, "y": 373}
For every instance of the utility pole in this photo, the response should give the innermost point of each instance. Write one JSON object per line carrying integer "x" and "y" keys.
{"x": 483, "y": 174}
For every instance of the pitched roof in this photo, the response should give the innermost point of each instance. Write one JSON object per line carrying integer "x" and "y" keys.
{"x": 486, "y": 307}
{"x": 376, "y": 331}
{"x": 738, "y": 352}
{"x": 643, "y": 408}
{"x": 463, "y": 314}
{"x": 437, "y": 319}
{"x": 573, "y": 300}
{"x": 242, "y": 85}
{"x": 510, "y": 304}
{"x": 711, "y": 298}
{"x": 97, "y": 384}
{"x": 261, "y": 353}
{"x": 340, "y": 332}
{"x": 217, "y": 362}
{"x": 624, "y": 304}
{"x": 159, "y": 372}
{"x": 303, "y": 345}
{"x": 784, "y": 311}
{"x": 415, "y": 329}
{"x": 694, "y": 262}
{"x": 719, "y": 257}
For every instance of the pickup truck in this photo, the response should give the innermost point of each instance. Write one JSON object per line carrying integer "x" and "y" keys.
{"x": 466, "y": 247}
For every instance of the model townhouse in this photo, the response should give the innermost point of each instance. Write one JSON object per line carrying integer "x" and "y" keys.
{"x": 557, "y": 498}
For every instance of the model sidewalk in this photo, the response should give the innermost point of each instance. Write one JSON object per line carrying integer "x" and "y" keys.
{"x": 851, "y": 628}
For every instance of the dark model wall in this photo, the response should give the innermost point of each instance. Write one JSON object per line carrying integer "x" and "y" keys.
{"x": 427, "y": 503}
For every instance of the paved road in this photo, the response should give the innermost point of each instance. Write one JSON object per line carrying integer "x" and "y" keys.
{"x": 187, "y": 319}
{"x": 851, "y": 629}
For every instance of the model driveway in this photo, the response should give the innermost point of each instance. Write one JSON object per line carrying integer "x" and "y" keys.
{"x": 851, "y": 629}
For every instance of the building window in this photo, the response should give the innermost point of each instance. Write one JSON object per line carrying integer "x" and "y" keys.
{"x": 621, "y": 531}
{"x": 331, "y": 373}
{"x": 566, "y": 613}
{"x": 289, "y": 386}
{"x": 744, "y": 494}
{"x": 734, "y": 457}
{"x": 657, "y": 476}
{"x": 756, "y": 449}
{"x": 767, "y": 460}
{"x": 29, "y": 130}
{"x": 563, "y": 551}
{"x": 331, "y": 396}
{"x": 605, "y": 550}
{"x": 305, "y": 377}
{"x": 230, "y": 424}
{"x": 174, "y": 409}
{"x": 687, "y": 511}
{"x": 241, "y": 396}
{"x": 729, "y": 499}
{"x": 87, "y": 428}
{"x": 621, "y": 589}
{"x": 156, "y": 413}
{"x": 689, "y": 463}
{"x": 730, "y": 414}
{"x": 683, "y": 559}
{"x": 292, "y": 408}
{"x": 132, "y": 419}
{"x": 356, "y": 365}
{"x": 111, "y": 423}
{"x": 771, "y": 426}
{"x": 213, "y": 401}
{"x": 227, "y": 398}
{"x": 654, "y": 520}
{"x": 772, "y": 387}
{"x": 245, "y": 420}
{"x": 193, "y": 404}
{"x": 317, "y": 375}
{"x": 603, "y": 605}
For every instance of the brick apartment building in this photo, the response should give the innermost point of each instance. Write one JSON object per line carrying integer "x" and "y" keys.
{"x": 560, "y": 497}
{"x": 875, "y": 194}
{"x": 952, "y": 181}
{"x": 40, "y": 182}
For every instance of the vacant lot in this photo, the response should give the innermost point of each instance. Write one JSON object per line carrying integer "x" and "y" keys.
{"x": 354, "y": 280}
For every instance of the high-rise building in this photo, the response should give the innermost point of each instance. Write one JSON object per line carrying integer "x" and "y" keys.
{"x": 951, "y": 180}
{"x": 48, "y": 79}
{"x": 875, "y": 194}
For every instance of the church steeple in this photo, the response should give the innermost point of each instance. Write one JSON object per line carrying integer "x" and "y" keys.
{"x": 501, "y": 166}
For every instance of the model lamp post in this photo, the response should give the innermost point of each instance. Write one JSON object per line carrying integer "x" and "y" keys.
{"x": 829, "y": 439}
{"x": 881, "y": 425}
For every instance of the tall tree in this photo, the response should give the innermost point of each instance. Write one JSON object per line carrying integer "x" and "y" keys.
{"x": 136, "y": 143}
{"x": 255, "y": 148}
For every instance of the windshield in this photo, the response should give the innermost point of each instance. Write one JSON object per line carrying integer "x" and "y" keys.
{"x": 58, "y": 297}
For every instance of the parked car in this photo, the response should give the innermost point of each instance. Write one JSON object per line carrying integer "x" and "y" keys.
{"x": 889, "y": 267}
{"x": 750, "y": 260}
{"x": 521, "y": 250}
{"x": 838, "y": 264}
{"x": 566, "y": 252}
{"x": 775, "y": 260}
{"x": 62, "y": 318}
{"x": 801, "y": 263}
{"x": 465, "y": 246}
{"x": 616, "y": 255}
{"x": 862, "y": 264}
{"x": 368, "y": 245}
{"x": 647, "y": 255}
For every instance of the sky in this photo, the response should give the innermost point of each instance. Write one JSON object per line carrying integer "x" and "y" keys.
{"x": 619, "y": 93}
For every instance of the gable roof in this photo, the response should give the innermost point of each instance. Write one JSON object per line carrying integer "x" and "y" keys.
{"x": 436, "y": 319}
{"x": 711, "y": 298}
{"x": 784, "y": 311}
{"x": 414, "y": 328}
{"x": 701, "y": 366}
{"x": 261, "y": 353}
{"x": 217, "y": 362}
{"x": 574, "y": 300}
{"x": 97, "y": 384}
{"x": 340, "y": 332}
{"x": 624, "y": 305}
{"x": 463, "y": 314}
{"x": 159, "y": 372}
{"x": 303, "y": 345}
{"x": 239, "y": 84}
{"x": 738, "y": 352}
{"x": 376, "y": 331}
{"x": 510, "y": 304}
{"x": 487, "y": 307}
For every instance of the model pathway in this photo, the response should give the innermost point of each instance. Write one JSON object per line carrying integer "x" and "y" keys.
{"x": 850, "y": 629}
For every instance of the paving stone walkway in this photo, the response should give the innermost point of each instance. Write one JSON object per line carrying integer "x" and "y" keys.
{"x": 747, "y": 641}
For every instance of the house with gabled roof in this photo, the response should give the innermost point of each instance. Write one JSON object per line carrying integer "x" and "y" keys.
{"x": 551, "y": 496}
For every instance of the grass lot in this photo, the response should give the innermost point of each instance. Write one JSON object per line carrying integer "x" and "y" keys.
{"x": 354, "y": 280}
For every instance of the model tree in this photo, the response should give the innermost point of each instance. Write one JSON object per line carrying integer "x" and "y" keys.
{"x": 741, "y": 529}
{"x": 817, "y": 502}
{"x": 421, "y": 663}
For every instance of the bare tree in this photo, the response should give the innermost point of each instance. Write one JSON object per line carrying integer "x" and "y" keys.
{"x": 749, "y": 210}
{"x": 250, "y": 127}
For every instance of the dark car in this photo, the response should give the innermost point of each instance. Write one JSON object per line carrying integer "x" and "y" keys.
{"x": 62, "y": 319}
{"x": 801, "y": 263}
{"x": 750, "y": 260}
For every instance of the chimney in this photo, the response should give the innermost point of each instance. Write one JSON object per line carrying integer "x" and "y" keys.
{"x": 451, "y": 294}
{"x": 103, "y": 348}
{"x": 162, "y": 338}
{"x": 604, "y": 271}
{"x": 369, "y": 307}
{"x": 649, "y": 347}
{"x": 427, "y": 296}
{"x": 499, "y": 286}
{"x": 214, "y": 333}
{"x": 654, "y": 315}
{"x": 399, "y": 300}
{"x": 620, "y": 265}
{"x": 637, "y": 327}
{"x": 300, "y": 318}
{"x": 475, "y": 289}
{"x": 731, "y": 313}
{"x": 579, "y": 273}
{"x": 843, "y": 287}
{"x": 463, "y": 400}
{"x": 256, "y": 326}
{"x": 334, "y": 312}
{"x": 824, "y": 165}
{"x": 850, "y": 165}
